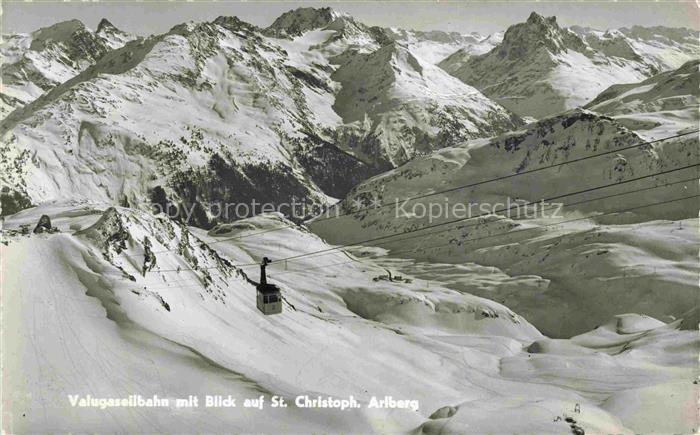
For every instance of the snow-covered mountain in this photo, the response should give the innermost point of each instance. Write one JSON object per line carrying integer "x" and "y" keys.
{"x": 540, "y": 69}
{"x": 661, "y": 106}
{"x": 609, "y": 256}
{"x": 662, "y": 47}
{"x": 434, "y": 46}
{"x": 393, "y": 103}
{"x": 396, "y": 106}
{"x": 37, "y": 62}
{"x": 296, "y": 22}
{"x": 249, "y": 117}
{"x": 206, "y": 113}
{"x": 430, "y": 46}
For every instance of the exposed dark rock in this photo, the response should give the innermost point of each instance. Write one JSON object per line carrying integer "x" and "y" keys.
{"x": 444, "y": 412}
{"x": 309, "y": 79}
{"x": 538, "y": 31}
{"x": 105, "y": 25}
{"x": 333, "y": 170}
{"x": 226, "y": 190}
{"x": 149, "y": 258}
{"x": 12, "y": 202}
{"x": 301, "y": 20}
{"x": 109, "y": 232}
{"x": 44, "y": 225}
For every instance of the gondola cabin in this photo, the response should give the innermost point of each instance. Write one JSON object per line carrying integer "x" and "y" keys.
{"x": 269, "y": 297}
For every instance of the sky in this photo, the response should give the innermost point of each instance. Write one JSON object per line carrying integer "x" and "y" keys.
{"x": 149, "y": 17}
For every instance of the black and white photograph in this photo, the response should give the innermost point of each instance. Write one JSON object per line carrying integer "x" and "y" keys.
{"x": 350, "y": 217}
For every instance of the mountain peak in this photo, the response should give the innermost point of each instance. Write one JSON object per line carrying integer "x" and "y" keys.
{"x": 113, "y": 36}
{"x": 234, "y": 23}
{"x": 59, "y": 31}
{"x": 395, "y": 55}
{"x": 541, "y": 26}
{"x": 535, "y": 33}
{"x": 301, "y": 20}
{"x": 105, "y": 25}
{"x": 537, "y": 19}
{"x": 394, "y": 48}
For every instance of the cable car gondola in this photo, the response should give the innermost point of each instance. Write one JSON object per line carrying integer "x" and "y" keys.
{"x": 269, "y": 297}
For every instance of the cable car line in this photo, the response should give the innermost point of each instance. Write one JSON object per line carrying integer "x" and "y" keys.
{"x": 564, "y": 205}
{"x": 451, "y": 189}
{"x": 590, "y": 189}
{"x": 387, "y": 236}
{"x": 327, "y": 250}
{"x": 516, "y": 174}
{"x": 414, "y": 248}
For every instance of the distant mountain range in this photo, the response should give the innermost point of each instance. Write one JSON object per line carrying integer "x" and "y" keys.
{"x": 540, "y": 68}
{"x": 35, "y": 63}
{"x": 224, "y": 111}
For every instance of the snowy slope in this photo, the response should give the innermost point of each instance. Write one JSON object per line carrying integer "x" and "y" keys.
{"x": 663, "y": 105}
{"x": 37, "y": 62}
{"x": 345, "y": 284}
{"x": 96, "y": 309}
{"x": 555, "y": 279}
{"x": 545, "y": 251}
{"x": 210, "y": 315}
{"x": 540, "y": 68}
